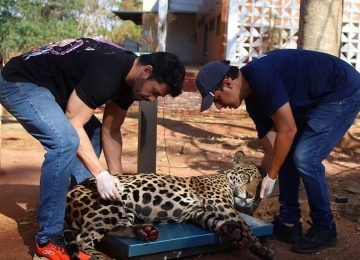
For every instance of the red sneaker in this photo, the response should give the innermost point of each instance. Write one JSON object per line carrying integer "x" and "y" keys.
{"x": 55, "y": 250}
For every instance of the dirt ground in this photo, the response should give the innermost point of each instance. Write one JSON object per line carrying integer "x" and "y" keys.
{"x": 185, "y": 147}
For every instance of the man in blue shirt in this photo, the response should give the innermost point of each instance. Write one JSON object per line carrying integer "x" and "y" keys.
{"x": 302, "y": 103}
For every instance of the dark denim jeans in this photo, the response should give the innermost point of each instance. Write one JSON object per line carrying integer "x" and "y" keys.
{"x": 318, "y": 133}
{"x": 37, "y": 111}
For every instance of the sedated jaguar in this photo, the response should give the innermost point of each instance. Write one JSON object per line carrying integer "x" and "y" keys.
{"x": 209, "y": 201}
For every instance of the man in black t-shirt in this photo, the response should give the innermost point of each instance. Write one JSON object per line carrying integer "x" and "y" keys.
{"x": 53, "y": 92}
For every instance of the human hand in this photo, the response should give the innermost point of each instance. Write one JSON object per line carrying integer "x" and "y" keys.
{"x": 267, "y": 186}
{"x": 108, "y": 186}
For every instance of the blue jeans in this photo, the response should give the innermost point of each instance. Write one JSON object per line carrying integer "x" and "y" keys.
{"x": 319, "y": 131}
{"x": 37, "y": 111}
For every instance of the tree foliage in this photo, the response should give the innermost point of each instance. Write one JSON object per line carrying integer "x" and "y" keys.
{"x": 96, "y": 16}
{"x": 130, "y": 5}
{"x": 127, "y": 29}
{"x": 150, "y": 38}
{"x": 34, "y": 23}
{"x": 27, "y": 24}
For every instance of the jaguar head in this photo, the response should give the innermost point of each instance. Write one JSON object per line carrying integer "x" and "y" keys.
{"x": 245, "y": 178}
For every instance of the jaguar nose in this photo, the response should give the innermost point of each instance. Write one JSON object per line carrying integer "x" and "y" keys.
{"x": 249, "y": 194}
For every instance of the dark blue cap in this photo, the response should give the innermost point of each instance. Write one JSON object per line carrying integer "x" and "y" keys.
{"x": 207, "y": 79}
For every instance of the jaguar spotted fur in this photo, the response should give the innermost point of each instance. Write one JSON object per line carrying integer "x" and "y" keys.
{"x": 148, "y": 199}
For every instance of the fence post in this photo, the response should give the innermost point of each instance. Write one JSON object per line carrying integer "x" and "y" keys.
{"x": 147, "y": 134}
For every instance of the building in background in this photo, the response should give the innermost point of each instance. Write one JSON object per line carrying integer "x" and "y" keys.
{"x": 239, "y": 30}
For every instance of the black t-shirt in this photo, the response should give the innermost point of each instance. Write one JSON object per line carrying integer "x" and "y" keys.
{"x": 95, "y": 67}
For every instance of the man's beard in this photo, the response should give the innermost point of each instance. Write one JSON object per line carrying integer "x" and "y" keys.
{"x": 137, "y": 87}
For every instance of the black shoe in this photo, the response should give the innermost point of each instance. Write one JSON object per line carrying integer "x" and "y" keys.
{"x": 285, "y": 233}
{"x": 316, "y": 239}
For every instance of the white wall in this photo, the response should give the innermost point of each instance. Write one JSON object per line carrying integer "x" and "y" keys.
{"x": 150, "y": 5}
{"x": 181, "y": 41}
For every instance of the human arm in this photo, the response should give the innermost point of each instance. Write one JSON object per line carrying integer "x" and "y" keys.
{"x": 79, "y": 114}
{"x": 276, "y": 145}
{"x": 267, "y": 144}
{"x": 113, "y": 118}
{"x": 286, "y": 130}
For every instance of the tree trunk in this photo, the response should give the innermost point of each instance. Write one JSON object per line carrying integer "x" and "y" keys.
{"x": 320, "y": 30}
{"x": 320, "y": 25}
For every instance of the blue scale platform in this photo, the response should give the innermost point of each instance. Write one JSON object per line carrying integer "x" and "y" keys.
{"x": 178, "y": 240}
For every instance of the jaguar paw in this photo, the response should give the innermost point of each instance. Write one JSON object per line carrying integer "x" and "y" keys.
{"x": 147, "y": 233}
{"x": 237, "y": 237}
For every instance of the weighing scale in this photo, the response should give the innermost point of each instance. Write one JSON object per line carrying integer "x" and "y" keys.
{"x": 179, "y": 240}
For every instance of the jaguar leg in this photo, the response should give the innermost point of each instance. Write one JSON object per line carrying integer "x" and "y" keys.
{"x": 235, "y": 229}
{"x": 87, "y": 241}
{"x": 240, "y": 236}
{"x": 95, "y": 255}
{"x": 71, "y": 246}
{"x": 145, "y": 232}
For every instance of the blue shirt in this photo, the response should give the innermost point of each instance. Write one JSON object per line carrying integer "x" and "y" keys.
{"x": 301, "y": 77}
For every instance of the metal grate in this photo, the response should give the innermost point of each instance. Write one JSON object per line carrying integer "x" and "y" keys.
{"x": 254, "y": 18}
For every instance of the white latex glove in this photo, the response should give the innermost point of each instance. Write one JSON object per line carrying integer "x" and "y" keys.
{"x": 108, "y": 186}
{"x": 267, "y": 186}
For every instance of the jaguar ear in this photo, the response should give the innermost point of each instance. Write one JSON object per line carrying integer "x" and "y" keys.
{"x": 239, "y": 157}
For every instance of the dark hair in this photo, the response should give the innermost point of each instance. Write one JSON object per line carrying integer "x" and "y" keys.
{"x": 167, "y": 68}
{"x": 232, "y": 73}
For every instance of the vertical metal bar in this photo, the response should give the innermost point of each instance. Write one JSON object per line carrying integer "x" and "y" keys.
{"x": 147, "y": 134}
{"x": 148, "y": 111}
